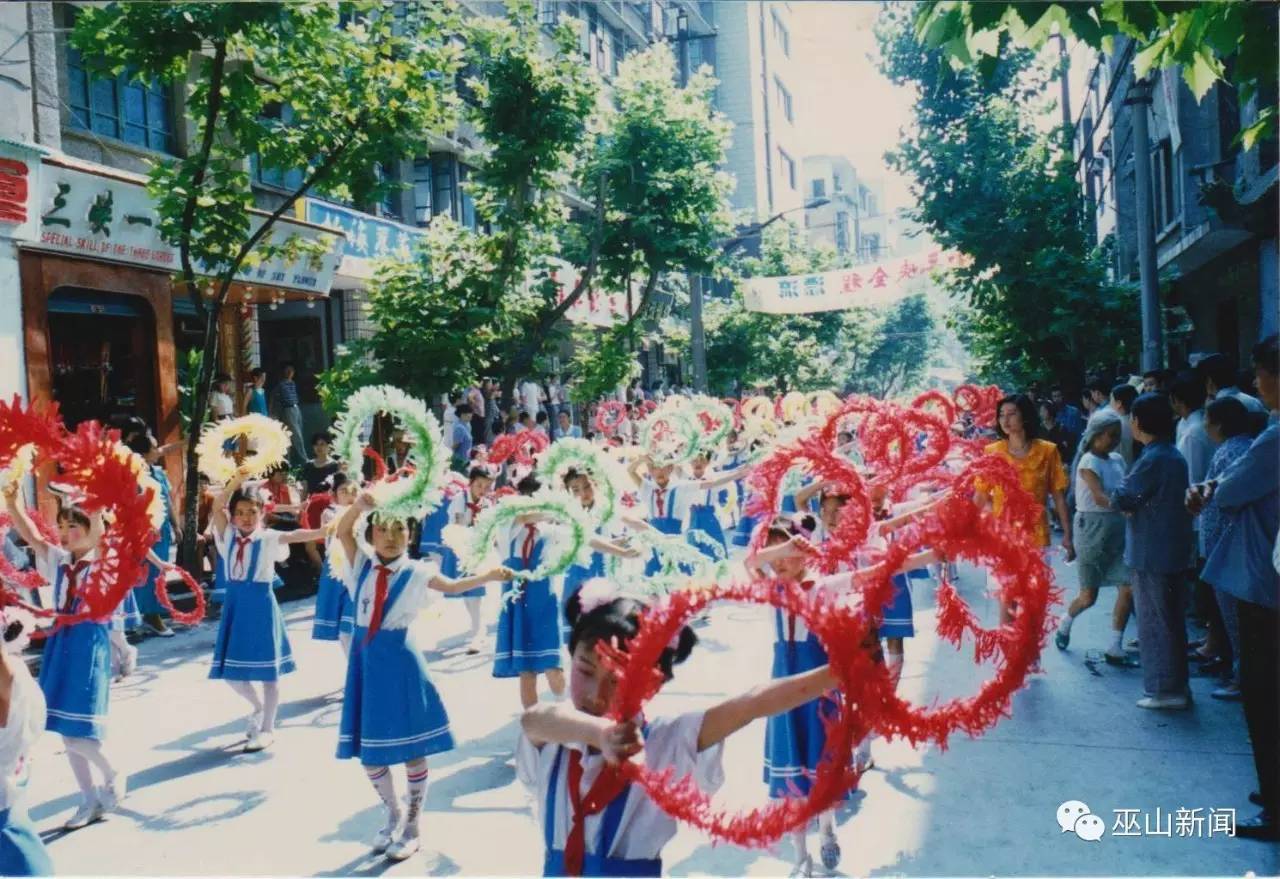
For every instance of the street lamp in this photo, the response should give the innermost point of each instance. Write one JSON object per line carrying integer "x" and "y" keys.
{"x": 697, "y": 334}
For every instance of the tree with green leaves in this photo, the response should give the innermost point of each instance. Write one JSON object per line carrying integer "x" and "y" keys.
{"x": 660, "y": 199}
{"x": 902, "y": 352}
{"x": 1209, "y": 41}
{"x": 990, "y": 184}
{"x": 444, "y": 316}
{"x": 363, "y": 89}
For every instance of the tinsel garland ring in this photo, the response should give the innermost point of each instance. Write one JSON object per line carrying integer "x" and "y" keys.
{"x": 268, "y": 442}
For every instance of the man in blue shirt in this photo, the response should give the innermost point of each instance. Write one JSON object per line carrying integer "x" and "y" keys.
{"x": 461, "y": 439}
{"x": 565, "y": 427}
{"x": 289, "y": 410}
{"x": 1157, "y": 535}
{"x": 1241, "y": 565}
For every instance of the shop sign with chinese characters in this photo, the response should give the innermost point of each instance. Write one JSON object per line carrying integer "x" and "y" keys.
{"x": 874, "y": 284}
{"x": 87, "y": 214}
{"x": 595, "y": 307}
{"x": 367, "y": 238}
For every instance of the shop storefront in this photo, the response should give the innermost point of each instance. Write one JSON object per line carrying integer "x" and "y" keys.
{"x": 104, "y": 327}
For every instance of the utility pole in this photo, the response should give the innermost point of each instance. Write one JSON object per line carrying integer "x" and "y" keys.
{"x": 1139, "y": 98}
{"x": 697, "y": 334}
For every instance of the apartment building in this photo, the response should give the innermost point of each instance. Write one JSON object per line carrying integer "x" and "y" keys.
{"x": 848, "y": 213}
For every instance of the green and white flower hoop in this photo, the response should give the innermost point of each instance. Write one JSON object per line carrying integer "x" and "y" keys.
{"x": 608, "y": 478}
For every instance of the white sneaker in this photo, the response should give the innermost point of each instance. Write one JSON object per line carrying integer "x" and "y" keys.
{"x": 382, "y": 840}
{"x": 253, "y": 725}
{"x": 1164, "y": 703}
{"x": 862, "y": 760}
{"x": 111, "y": 793}
{"x": 129, "y": 664}
{"x": 405, "y": 847}
{"x": 90, "y": 810}
{"x": 259, "y": 741}
{"x": 803, "y": 867}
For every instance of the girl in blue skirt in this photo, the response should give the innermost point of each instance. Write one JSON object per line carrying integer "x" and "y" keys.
{"x": 22, "y": 852}
{"x": 463, "y": 508}
{"x": 391, "y": 712}
{"x": 794, "y": 740}
{"x": 75, "y": 670}
{"x": 579, "y": 484}
{"x": 252, "y": 644}
{"x": 335, "y": 615}
{"x": 144, "y": 593}
{"x": 665, "y": 502}
{"x": 528, "y": 631}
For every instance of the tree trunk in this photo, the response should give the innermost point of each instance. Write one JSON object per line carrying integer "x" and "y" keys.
{"x": 191, "y": 481}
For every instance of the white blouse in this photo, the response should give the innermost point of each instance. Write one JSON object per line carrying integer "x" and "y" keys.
{"x": 645, "y": 828}
{"x": 272, "y": 551}
{"x": 19, "y": 734}
{"x": 416, "y": 595}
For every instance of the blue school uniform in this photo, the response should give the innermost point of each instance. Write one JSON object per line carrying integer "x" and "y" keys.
{"x": 703, "y": 517}
{"x": 626, "y": 838}
{"x": 252, "y": 644}
{"x": 22, "y": 852}
{"x": 460, "y": 511}
{"x": 793, "y": 741}
{"x": 896, "y": 621}
{"x": 573, "y": 580}
{"x": 746, "y": 523}
{"x": 391, "y": 712}
{"x": 663, "y": 514}
{"x": 334, "y": 610}
{"x": 528, "y": 628}
{"x": 144, "y": 594}
{"x": 593, "y": 863}
{"x": 75, "y": 670}
{"x": 126, "y": 616}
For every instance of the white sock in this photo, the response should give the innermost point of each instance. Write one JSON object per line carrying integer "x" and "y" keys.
{"x": 91, "y": 752}
{"x": 417, "y": 793}
{"x": 801, "y": 840}
{"x": 1064, "y": 625}
{"x": 385, "y": 786}
{"x": 246, "y": 691}
{"x": 83, "y": 774}
{"x": 827, "y": 823}
{"x": 270, "y": 705}
{"x": 473, "y": 608}
{"x": 893, "y": 662}
{"x": 1117, "y": 642}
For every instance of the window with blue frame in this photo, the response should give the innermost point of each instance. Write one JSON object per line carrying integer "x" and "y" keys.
{"x": 290, "y": 179}
{"x": 119, "y": 106}
{"x": 421, "y": 191}
{"x": 443, "y": 185}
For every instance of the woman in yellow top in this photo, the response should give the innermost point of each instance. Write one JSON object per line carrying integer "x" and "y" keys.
{"x": 1039, "y": 468}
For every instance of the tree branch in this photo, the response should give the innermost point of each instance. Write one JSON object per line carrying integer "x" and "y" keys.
{"x": 212, "y": 110}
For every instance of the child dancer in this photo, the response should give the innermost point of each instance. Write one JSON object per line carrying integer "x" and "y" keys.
{"x": 665, "y": 502}
{"x": 564, "y": 747}
{"x": 702, "y": 511}
{"x": 335, "y": 616}
{"x": 391, "y": 712}
{"x": 22, "y": 852}
{"x": 794, "y": 740}
{"x": 145, "y": 445}
{"x": 252, "y": 644}
{"x": 581, "y": 487}
{"x": 528, "y": 636}
{"x": 75, "y": 673}
{"x": 462, "y": 509}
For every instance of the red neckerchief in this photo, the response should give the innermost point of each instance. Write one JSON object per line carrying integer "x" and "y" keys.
{"x": 659, "y": 496}
{"x": 72, "y": 573}
{"x": 607, "y": 786}
{"x": 238, "y": 564}
{"x": 806, "y": 585}
{"x": 379, "y": 601}
{"x": 530, "y": 538}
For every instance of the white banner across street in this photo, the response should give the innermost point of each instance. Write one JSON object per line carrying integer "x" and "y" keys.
{"x": 876, "y": 284}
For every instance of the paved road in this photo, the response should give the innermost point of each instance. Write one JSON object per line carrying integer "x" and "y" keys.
{"x": 984, "y": 807}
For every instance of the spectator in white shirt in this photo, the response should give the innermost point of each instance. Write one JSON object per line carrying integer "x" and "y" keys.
{"x": 1187, "y": 398}
{"x": 531, "y": 396}
{"x": 221, "y": 406}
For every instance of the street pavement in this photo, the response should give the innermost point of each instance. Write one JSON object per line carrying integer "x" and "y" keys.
{"x": 198, "y": 806}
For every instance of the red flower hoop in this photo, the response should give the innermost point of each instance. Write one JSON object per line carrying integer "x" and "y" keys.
{"x": 162, "y": 595}
{"x": 841, "y": 633}
{"x": 609, "y": 417}
{"x": 936, "y": 400}
{"x": 90, "y": 461}
{"x": 981, "y": 402}
{"x": 520, "y": 447}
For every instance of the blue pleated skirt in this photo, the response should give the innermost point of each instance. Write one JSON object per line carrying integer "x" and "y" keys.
{"x": 252, "y": 644}
{"x": 897, "y": 621}
{"x": 75, "y": 675}
{"x": 793, "y": 741}
{"x": 703, "y": 518}
{"x": 335, "y": 614}
{"x": 573, "y": 580}
{"x": 528, "y": 630}
{"x": 391, "y": 712}
{"x": 22, "y": 853}
{"x": 145, "y": 592}
{"x": 127, "y": 617}
{"x": 746, "y": 526}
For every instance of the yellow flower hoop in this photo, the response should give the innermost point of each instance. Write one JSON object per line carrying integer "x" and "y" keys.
{"x": 268, "y": 442}
{"x": 20, "y": 466}
{"x": 146, "y": 482}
